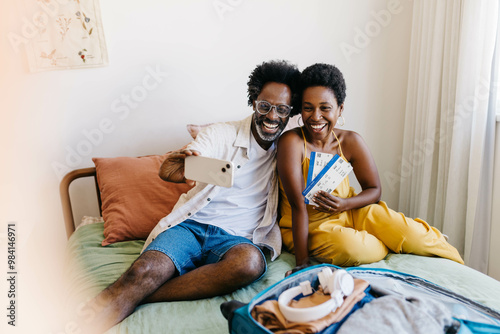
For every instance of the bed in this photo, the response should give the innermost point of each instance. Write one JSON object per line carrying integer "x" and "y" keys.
{"x": 91, "y": 267}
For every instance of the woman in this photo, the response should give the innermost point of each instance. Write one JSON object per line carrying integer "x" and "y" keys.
{"x": 342, "y": 228}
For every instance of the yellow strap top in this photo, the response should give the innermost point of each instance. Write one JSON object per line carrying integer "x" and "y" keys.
{"x": 344, "y": 190}
{"x": 305, "y": 145}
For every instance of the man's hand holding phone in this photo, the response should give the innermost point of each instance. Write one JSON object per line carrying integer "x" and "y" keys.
{"x": 172, "y": 169}
{"x": 189, "y": 166}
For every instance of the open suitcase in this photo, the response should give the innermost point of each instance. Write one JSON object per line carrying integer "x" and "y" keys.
{"x": 467, "y": 315}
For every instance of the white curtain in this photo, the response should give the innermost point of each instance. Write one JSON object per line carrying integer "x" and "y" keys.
{"x": 447, "y": 167}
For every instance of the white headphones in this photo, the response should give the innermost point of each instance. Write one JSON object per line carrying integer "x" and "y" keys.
{"x": 338, "y": 284}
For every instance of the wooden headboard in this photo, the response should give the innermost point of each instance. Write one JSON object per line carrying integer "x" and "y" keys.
{"x": 69, "y": 220}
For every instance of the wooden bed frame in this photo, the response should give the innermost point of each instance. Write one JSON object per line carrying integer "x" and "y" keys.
{"x": 69, "y": 220}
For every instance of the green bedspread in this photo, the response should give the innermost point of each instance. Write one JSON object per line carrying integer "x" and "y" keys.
{"x": 91, "y": 268}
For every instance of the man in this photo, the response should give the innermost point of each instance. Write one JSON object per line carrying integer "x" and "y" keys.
{"x": 210, "y": 244}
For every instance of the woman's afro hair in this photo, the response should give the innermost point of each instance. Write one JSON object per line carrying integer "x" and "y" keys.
{"x": 324, "y": 75}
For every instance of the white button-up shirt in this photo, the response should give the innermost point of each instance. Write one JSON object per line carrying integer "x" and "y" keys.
{"x": 227, "y": 141}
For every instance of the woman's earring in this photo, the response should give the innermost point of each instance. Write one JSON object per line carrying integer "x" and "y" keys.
{"x": 300, "y": 119}
{"x": 343, "y": 121}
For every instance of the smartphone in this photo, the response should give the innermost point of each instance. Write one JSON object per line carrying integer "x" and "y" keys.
{"x": 209, "y": 170}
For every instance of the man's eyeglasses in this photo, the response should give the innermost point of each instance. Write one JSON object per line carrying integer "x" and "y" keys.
{"x": 264, "y": 107}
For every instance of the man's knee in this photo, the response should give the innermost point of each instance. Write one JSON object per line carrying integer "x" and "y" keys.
{"x": 138, "y": 270}
{"x": 255, "y": 265}
{"x": 247, "y": 261}
{"x": 150, "y": 268}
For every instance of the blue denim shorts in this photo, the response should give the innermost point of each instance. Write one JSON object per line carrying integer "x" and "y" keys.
{"x": 191, "y": 244}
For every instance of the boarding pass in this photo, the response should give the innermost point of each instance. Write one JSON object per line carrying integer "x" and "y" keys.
{"x": 330, "y": 174}
{"x": 317, "y": 162}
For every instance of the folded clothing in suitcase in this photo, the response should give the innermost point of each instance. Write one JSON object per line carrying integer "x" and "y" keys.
{"x": 454, "y": 312}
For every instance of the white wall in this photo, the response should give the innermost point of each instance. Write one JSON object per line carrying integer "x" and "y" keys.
{"x": 208, "y": 59}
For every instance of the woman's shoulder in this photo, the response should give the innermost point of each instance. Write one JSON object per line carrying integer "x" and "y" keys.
{"x": 290, "y": 136}
{"x": 290, "y": 144}
{"x": 352, "y": 143}
{"x": 349, "y": 136}
{"x": 350, "y": 140}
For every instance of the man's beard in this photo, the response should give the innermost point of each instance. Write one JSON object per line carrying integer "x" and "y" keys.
{"x": 269, "y": 137}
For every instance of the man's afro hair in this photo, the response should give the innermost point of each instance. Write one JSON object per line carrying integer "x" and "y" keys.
{"x": 280, "y": 71}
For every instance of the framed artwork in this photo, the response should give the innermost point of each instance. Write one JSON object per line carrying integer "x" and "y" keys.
{"x": 69, "y": 35}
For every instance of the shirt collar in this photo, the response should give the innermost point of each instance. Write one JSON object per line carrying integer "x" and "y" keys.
{"x": 244, "y": 133}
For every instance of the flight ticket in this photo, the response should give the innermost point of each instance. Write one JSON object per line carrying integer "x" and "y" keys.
{"x": 326, "y": 172}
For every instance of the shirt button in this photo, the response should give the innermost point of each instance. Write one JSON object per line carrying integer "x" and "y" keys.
{"x": 169, "y": 225}
{"x": 209, "y": 199}
{"x": 189, "y": 213}
{"x": 238, "y": 166}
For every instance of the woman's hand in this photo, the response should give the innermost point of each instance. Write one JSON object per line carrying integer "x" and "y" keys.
{"x": 294, "y": 270}
{"x": 328, "y": 203}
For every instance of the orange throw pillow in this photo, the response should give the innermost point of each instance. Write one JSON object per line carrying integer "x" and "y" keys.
{"x": 134, "y": 198}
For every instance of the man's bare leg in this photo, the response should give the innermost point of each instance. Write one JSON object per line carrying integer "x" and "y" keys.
{"x": 147, "y": 280}
{"x": 119, "y": 300}
{"x": 240, "y": 266}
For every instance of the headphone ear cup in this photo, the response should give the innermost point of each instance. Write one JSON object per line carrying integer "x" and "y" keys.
{"x": 342, "y": 281}
{"x": 337, "y": 279}
{"x": 325, "y": 277}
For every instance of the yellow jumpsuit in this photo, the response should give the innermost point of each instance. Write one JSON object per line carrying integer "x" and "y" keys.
{"x": 363, "y": 235}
